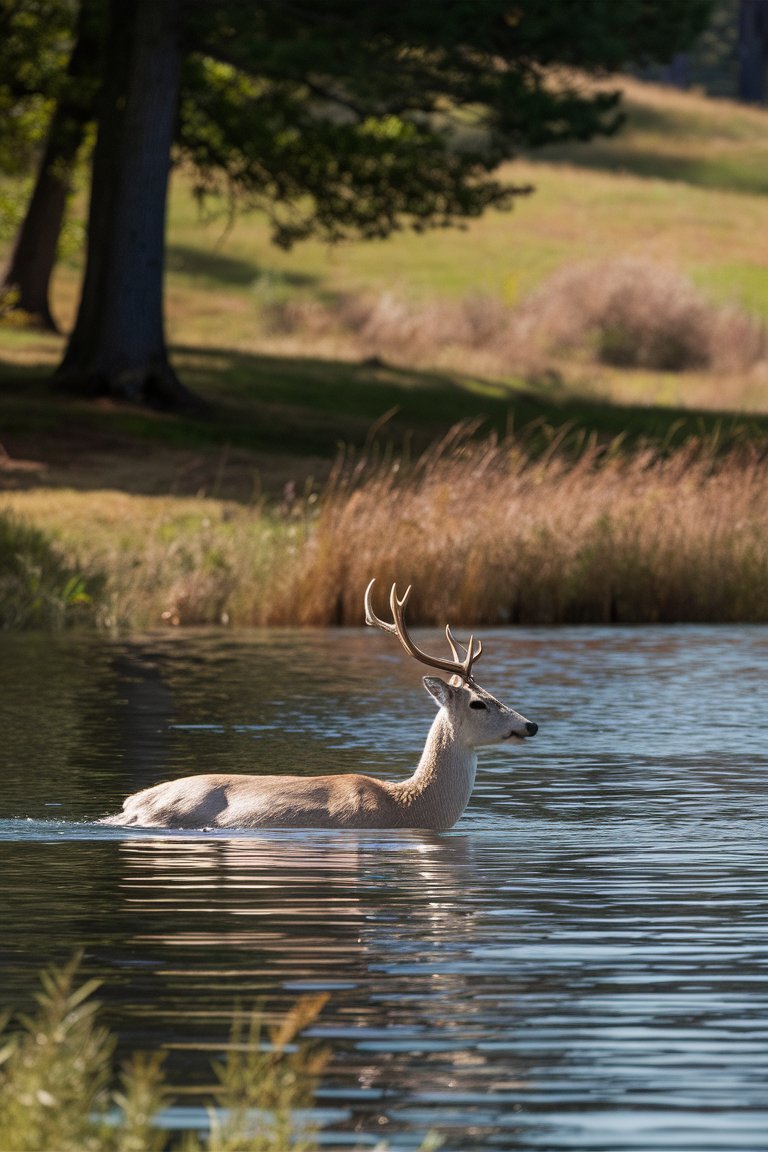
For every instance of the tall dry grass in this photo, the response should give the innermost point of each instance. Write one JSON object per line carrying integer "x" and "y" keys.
{"x": 487, "y": 535}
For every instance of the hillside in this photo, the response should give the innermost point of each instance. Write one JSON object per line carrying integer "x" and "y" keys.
{"x": 270, "y": 338}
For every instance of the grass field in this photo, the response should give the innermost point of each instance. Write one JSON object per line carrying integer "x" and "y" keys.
{"x": 304, "y": 354}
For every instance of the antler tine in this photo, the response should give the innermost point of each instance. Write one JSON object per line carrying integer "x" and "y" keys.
{"x": 457, "y": 667}
{"x": 371, "y": 617}
{"x": 471, "y": 653}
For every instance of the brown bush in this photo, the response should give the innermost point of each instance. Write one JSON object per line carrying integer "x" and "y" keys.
{"x": 626, "y": 312}
{"x": 635, "y": 313}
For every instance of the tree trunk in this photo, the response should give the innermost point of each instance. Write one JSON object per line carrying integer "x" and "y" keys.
{"x": 118, "y": 343}
{"x": 27, "y": 277}
{"x": 26, "y": 280}
{"x": 753, "y": 51}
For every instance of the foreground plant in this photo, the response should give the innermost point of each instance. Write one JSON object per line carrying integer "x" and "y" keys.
{"x": 58, "y": 1089}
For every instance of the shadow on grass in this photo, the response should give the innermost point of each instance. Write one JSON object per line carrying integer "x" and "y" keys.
{"x": 676, "y": 145}
{"x": 220, "y": 268}
{"x": 719, "y": 174}
{"x": 285, "y": 418}
{"x": 326, "y": 402}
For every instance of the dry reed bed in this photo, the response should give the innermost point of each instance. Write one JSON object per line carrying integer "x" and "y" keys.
{"x": 485, "y": 534}
{"x": 488, "y": 536}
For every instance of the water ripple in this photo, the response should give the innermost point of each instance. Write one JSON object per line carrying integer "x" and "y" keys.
{"x": 581, "y": 964}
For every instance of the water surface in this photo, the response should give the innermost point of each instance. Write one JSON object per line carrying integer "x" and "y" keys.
{"x": 582, "y": 963}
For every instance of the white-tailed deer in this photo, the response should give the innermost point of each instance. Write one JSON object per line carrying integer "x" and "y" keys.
{"x": 433, "y": 797}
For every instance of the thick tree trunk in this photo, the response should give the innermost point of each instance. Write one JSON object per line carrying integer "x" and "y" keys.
{"x": 27, "y": 277}
{"x": 118, "y": 343}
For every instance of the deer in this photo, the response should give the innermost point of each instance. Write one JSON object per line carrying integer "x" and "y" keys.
{"x": 433, "y": 797}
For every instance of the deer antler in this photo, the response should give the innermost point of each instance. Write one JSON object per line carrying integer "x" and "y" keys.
{"x": 459, "y": 666}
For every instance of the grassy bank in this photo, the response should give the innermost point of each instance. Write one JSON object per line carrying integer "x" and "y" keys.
{"x": 485, "y": 532}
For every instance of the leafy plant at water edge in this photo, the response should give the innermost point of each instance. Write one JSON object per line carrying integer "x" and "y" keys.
{"x": 37, "y": 587}
{"x": 261, "y": 1085}
{"x": 55, "y": 1074}
{"x": 57, "y": 1086}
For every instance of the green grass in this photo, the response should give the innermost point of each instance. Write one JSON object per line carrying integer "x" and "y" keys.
{"x": 687, "y": 175}
{"x": 681, "y": 137}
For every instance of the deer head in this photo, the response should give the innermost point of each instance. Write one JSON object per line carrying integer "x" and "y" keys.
{"x": 475, "y": 715}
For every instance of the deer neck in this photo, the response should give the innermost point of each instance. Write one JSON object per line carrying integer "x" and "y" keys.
{"x": 440, "y": 788}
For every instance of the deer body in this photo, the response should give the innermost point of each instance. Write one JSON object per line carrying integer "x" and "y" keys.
{"x": 433, "y": 797}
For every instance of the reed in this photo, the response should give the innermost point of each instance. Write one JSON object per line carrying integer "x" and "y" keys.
{"x": 488, "y": 535}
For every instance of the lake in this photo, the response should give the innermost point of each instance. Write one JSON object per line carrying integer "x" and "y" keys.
{"x": 582, "y": 963}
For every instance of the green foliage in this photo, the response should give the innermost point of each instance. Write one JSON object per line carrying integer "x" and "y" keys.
{"x": 352, "y": 119}
{"x": 35, "y": 39}
{"x": 55, "y": 1070}
{"x": 348, "y": 119}
{"x": 57, "y": 1081}
{"x": 13, "y": 202}
{"x": 38, "y": 589}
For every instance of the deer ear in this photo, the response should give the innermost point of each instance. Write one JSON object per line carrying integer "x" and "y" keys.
{"x": 438, "y": 689}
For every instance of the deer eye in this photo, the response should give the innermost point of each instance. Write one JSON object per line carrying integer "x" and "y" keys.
{"x": 478, "y": 704}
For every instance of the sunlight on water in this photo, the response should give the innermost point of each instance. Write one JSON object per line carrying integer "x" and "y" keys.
{"x": 582, "y": 963}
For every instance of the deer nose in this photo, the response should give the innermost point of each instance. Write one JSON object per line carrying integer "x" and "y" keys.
{"x": 531, "y": 728}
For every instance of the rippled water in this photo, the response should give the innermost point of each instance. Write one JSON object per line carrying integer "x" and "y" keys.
{"x": 582, "y": 963}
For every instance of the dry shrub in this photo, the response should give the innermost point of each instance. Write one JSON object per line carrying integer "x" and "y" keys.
{"x": 385, "y": 322}
{"x": 388, "y": 325}
{"x": 635, "y": 313}
{"x": 626, "y": 312}
{"x": 487, "y": 535}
